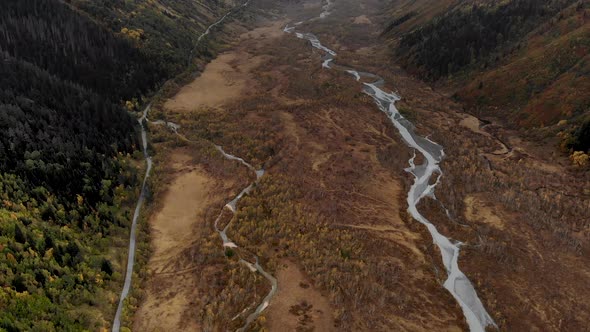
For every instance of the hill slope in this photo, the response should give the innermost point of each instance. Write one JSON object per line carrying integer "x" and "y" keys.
{"x": 67, "y": 177}
{"x": 164, "y": 30}
{"x": 522, "y": 61}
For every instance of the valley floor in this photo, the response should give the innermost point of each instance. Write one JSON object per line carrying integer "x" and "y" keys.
{"x": 328, "y": 219}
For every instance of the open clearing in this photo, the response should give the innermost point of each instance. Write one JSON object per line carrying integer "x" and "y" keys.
{"x": 225, "y": 78}
{"x": 173, "y": 229}
{"x": 298, "y": 306}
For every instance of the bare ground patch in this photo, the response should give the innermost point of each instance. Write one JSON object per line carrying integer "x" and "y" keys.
{"x": 225, "y": 78}
{"x": 362, "y": 19}
{"x": 298, "y": 306}
{"x": 170, "y": 292}
{"x": 477, "y": 210}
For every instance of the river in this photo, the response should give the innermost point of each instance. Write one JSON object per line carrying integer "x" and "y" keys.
{"x": 456, "y": 283}
{"x": 228, "y": 243}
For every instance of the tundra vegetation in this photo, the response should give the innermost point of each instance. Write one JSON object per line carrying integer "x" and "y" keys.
{"x": 322, "y": 163}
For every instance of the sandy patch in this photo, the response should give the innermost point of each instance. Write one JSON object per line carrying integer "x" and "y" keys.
{"x": 319, "y": 159}
{"x": 312, "y": 5}
{"x": 169, "y": 292}
{"x": 290, "y": 126}
{"x": 477, "y": 211}
{"x": 365, "y": 51}
{"x": 363, "y": 19}
{"x": 183, "y": 204}
{"x": 472, "y": 123}
{"x": 226, "y": 77}
{"x": 223, "y": 80}
{"x": 297, "y": 306}
{"x": 273, "y": 30}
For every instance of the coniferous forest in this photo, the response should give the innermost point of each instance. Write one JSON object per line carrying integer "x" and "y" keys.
{"x": 67, "y": 179}
{"x": 522, "y": 61}
{"x": 72, "y": 47}
{"x": 465, "y": 37}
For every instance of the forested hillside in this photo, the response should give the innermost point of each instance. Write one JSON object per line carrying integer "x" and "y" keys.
{"x": 523, "y": 61}
{"x": 51, "y": 36}
{"x": 466, "y": 36}
{"x": 67, "y": 178}
{"x": 165, "y": 31}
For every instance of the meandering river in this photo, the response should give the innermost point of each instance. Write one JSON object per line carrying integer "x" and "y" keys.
{"x": 228, "y": 243}
{"x": 456, "y": 283}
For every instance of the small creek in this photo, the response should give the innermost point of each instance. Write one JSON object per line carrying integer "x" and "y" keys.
{"x": 132, "y": 237}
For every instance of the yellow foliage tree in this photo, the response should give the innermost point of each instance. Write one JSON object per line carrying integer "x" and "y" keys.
{"x": 580, "y": 158}
{"x": 135, "y": 34}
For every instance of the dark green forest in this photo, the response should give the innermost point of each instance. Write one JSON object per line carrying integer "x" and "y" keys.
{"x": 53, "y": 37}
{"x": 70, "y": 71}
{"x": 471, "y": 36}
{"x": 67, "y": 179}
{"x": 165, "y": 32}
{"x": 580, "y": 138}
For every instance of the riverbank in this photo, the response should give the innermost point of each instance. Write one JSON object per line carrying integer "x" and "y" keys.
{"x": 192, "y": 181}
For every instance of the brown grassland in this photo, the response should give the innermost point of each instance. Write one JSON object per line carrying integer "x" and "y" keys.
{"x": 328, "y": 218}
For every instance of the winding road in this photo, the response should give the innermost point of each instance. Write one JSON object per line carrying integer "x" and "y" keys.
{"x": 131, "y": 255}
{"x": 208, "y": 30}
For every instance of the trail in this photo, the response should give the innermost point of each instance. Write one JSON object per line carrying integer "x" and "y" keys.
{"x": 457, "y": 283}
{"x": 208, "y": 30}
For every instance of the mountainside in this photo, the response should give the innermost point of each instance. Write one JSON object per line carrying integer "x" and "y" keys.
{"x": 166, "y": 31}
{"x": 75, "y": 49}
{"x": 68, "y": 180}
{"x": 522, "y": 61}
